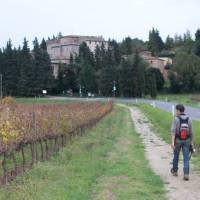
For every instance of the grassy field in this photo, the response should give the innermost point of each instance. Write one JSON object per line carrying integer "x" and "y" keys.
{"x": 162, "y": 125}
{"x": 106, "y": 163}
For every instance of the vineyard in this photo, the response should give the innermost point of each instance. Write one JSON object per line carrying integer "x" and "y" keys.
{"x": 32, "y": 133}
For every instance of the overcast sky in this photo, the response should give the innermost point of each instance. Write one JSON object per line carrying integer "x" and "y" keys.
{"x": 110, "y": 18}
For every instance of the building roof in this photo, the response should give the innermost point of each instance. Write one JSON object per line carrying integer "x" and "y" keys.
{"x": 86, "y": 38}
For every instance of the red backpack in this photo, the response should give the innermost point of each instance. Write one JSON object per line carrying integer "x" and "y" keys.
{"x": 184, "y": 128}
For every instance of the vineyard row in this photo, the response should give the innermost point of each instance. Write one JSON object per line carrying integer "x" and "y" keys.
{"x": 32, "y": 133}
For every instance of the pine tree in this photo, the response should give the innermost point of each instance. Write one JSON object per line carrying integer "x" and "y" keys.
{"x": 26, "y": 76}
{"x": 187, "y": 70}
{"x": 178, "y": 40}
{"x": 10, "y": 70}
{"x": 85, "y": 55}
{"x": 197, "y": 42}
{"x": 43, "y": 45}
{"x": 116, "y": 53}
{"x": 175, "y": 83}
{"x": 99, "y": 57}
{"x": 132, "y": 76}
{"x": 86, "y": 64}
{"x": 126, "y": 46}
{"x": 72, "y": 75}
{"x": 151, "y": 87}
{"x": 126, "y": 79}
{"x": 42, "y": 70}
{"x": 48, "y": 77}
{"x": 139, "y": 76}
{"x": 1, "y": 61}
{"x": 108, "y": 75}
{"x": 59, "y": 35}
{"x": 155, "y": 43}
{"x": 60, "y": 82}
{"x": 169, "y": 43}
{"x": 87, "y": 78}
{"x": 158, "y": 77}
{"x": 153, "y": 91}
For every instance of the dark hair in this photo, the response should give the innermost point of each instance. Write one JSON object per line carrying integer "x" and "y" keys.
{"x": 180, "y": 107}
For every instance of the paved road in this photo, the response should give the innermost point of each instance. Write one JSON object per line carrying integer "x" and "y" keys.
{"x": 194, "y": 113}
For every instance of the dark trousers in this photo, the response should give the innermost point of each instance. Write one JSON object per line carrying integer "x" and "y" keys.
{"x": 184, "y": 145}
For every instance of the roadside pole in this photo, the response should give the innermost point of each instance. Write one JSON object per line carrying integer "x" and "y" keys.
{"x": 173, "y": 110}
{"x": 80, "y": 91}
{"x": 153, "y": 104}
{"x": 114, "y": 88}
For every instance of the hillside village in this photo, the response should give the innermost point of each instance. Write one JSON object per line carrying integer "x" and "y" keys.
{"x": 60, "y": 50}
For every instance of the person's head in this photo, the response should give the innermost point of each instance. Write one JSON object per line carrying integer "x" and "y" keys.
{"x": 180, "y": 109}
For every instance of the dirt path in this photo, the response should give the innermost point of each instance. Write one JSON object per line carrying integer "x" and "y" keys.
{"x": 159, "y": 154}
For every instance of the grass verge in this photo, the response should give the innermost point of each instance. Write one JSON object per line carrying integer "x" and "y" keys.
{"x": 185, "y": 99}
{"x": 106, "y": 163}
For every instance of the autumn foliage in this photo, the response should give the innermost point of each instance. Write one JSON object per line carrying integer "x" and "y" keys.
{"x": 33, "y": 126}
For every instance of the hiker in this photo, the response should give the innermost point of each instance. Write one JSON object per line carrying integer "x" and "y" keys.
{"x": 182, "y": 138}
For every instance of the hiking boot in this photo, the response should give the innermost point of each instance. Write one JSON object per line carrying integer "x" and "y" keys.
{"x": 186, "y": 177}
{"x": 174, "y": 173}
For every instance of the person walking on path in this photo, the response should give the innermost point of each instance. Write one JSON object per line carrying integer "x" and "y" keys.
{"x": 182, "y": 138}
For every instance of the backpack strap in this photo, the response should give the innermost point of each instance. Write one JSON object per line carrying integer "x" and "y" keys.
{"x": 186, "y": 120}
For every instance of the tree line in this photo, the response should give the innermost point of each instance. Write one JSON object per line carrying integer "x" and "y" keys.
{"x": 25, "y": 72}
{"x": 116, "y": 70}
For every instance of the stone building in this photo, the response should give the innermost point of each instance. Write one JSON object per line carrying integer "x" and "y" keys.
{"x": 157, "y": 62}
{"x": 60, "y": 49}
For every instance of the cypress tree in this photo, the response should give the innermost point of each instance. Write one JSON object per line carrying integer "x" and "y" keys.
{"x": 126, "y": 46}
{"x": 85, "y": 55}
{"x": 158, "y": 77}
{"x": 87, "y": 78}
{"x": 26, "y": 71}
{"x": 10, "y": 70}
{"x": 108, "y": 74}
{"x": 99, "y": 58}
{"x": 169, "y": 43}
{"x": 132, "y": 76}
{"x": 42, "y": 70}
{"x": 155, "y": 43}
{"x": 116, "y": 53}
{"x": 150, "y": 81}
{"x": 43, "y": 45}
{"x": 67, "y": 76}
{"x": 197, "y": 42}
{"x": 126, "y": 78}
